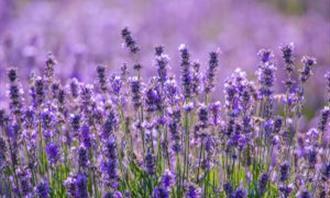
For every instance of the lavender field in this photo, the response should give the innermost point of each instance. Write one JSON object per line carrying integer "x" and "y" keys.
{"x": 160, "y": 99}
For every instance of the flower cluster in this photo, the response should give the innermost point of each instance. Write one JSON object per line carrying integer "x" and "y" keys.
{"x": 126, "y": 136}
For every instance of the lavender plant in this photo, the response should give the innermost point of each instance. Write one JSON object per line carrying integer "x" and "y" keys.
{"x": 165, "y": 136}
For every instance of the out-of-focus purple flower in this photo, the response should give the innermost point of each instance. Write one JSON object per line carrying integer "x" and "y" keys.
{"x": 325, "y": 171}
{"x": 39, "y": 91}
{"x": 109, "y": 164}
{"x": 3, "y": 150}
{"x": 278, "y": 125}
{"x": 327, "y": 77}
{"x": 82, "y": 157}
{"x": 266, "y": 77}
{"x": 53, "y": 153}
{"x": 49, "y": 67}
{"x": 86, "y": 136}
{"x": 228, "y": 188}
{"x": 25, "y": 182}
{"x": 75, "y": 122}
{"x": 116, "y": 85}
{"x": 215, "y": 112}
{"x": 311, "y": 156}
{"x": 160, "y": 192}
{"x": 213, "y": 64}
{"x": 265, "y": 55}
{"x": 325, "y": 114}
{"x": 102, "y": 77}
{"x": 149, "y": 163}
{"x": 203, "y": 116}
{"x": 136, "y": 91}
{"x": 304, "y": 194}
{"x": 109, "y": 125}
{"x": 192, "y": 191}
{"x": 74, "y": 88}
{"x": 43, "y": 190}
{"x": 162, "y": 66}
{"x": 174, "y": 129}
{"x": 263, "y": 181}
{"x": 153, "y": 100}
{"x": 285, "y": 190}
{"x": 167, "y": 179}
{"x": 306, "y": 71}
{"x": 284, "y": 171}
{"x": 186, "y": 77}
{"x": 70, "y": 186}
{"x": 15, "y": 93}
{"x": 81, "y": 186}
{"x": 240, "y": 193}
{"x": 196, "y": 78}
{"x": 116, "y": 194}
{"x": 288, "y": 56}
{"x": 129, "y": 41}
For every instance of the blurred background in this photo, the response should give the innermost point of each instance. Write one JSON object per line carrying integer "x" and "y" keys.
{"x": 83, "y": 34}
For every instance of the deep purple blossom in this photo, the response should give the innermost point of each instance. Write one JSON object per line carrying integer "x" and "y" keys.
{"x": 53, "y": 152}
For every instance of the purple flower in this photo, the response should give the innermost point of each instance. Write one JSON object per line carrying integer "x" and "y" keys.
{"x": 284, "y": 171}
{"x": 43, "y": 190}
{"x": 86, "y": 136}
{"x": 304, "y": 194}
{"x": 53, "y": 153}
{"x": 203, "y": 116}
{"x": 25, "y": 182}
{"x": 306, "y": 71}
{"x": 109, "y": 125}
{"x": 325, "y": 171}
{"x": 263, "y": 181}
{"x": 81, "y": 186}
{"x": 102, "y": 77}
{"x": 74, "y": 88}
{"x": 3, "y": 150}
{"x": 116, "y": 85}
{"x": 167, "y": 179}
{"x": 215, "y": 112}
{"x": 174, "y": 129}
{"x": 213, "y": 64}
{"x": 288, "y": 56}
{"x": 82, "y": 157}
{"x": 228, "y": 188}
{"x": 285, "y": 190}
{"x": 196, "y": 78}
{"x": 186, "y": 77}
{"x": 153, "y": 100}
{"x": 240, "y": 193}
{"x": 109, "y": 164}
{"x": 115, "y": 194}
{"x": 160, "y": 192}
{"x": 149, "y": 163}
{"x": 266, "y": 79}
{"x": 39, "y": 91}
{"x": 12, "y": 75}
{"x": 162, "y": 65}
{"x": 265, "y": 55}
{"x": 75, "y": 122}
{"x": 129, "y": 41}
{"x": 327, "y": 76}
{"x": 192, "y": 191}
{"x": 325, "y": 114}
{"x": 136, "y": 92}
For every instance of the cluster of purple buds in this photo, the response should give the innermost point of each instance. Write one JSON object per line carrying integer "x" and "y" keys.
{"x": 129, "y": 41}
{"x": 306, "y": 71}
